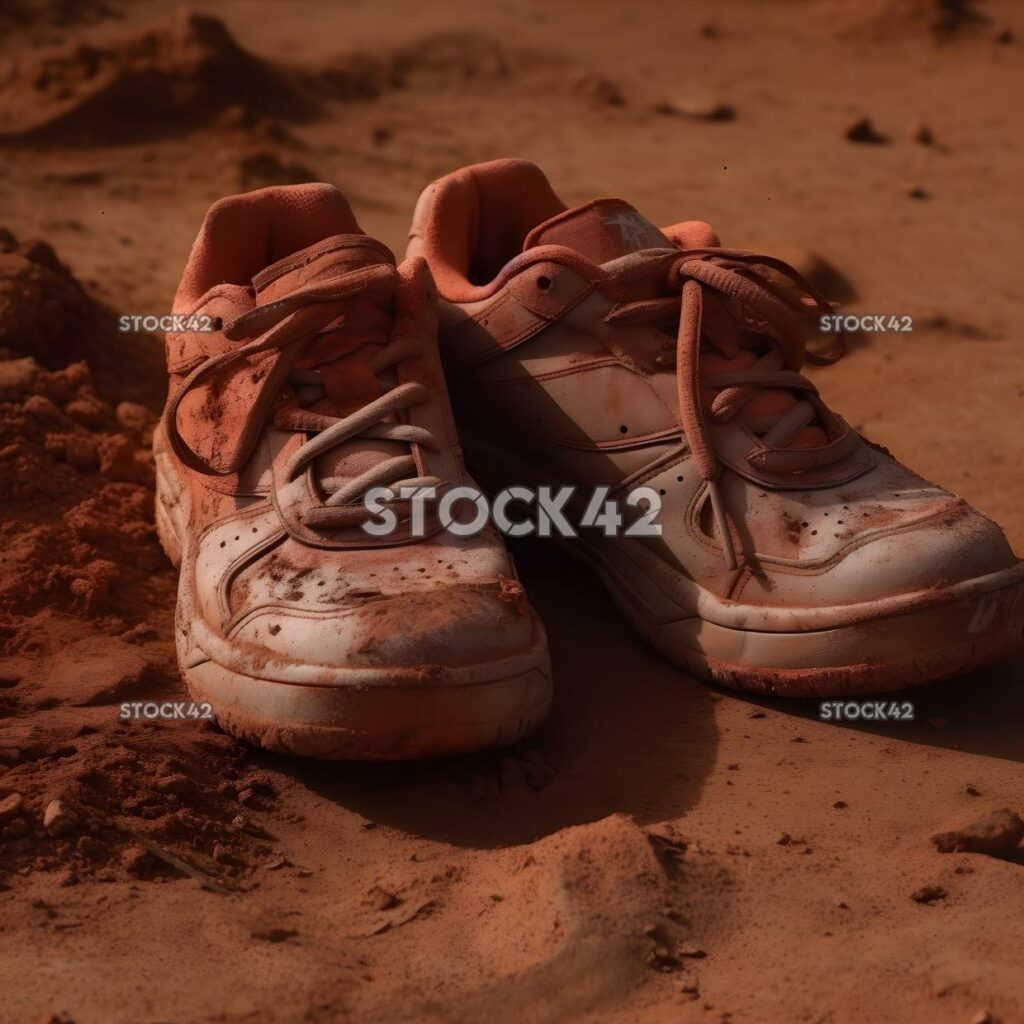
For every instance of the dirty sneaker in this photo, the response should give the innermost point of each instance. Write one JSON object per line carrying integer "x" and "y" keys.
{"x": 308, "y": 374}
{"x": 585, "y": 346}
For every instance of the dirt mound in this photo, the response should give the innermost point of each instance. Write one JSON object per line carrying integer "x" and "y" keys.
{"x": 53, "y": 13}
{"x": 86, "y": 607}
{"x": 138, "y": 87}
{"x": 434, "y": 61}
{"x": 47, "y": 315}
{"x": 454, "y": 60}
{"x": 942, "y": 20}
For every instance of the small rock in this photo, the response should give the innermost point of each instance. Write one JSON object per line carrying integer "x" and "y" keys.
{"x": 599, "y": 91}
{"x": 10, "y": 806}
{"x": 133, "y": 416}
{"x": 138, "y": 861}
{"x": 928, "y": 894}
{"x": 88, "y": 411}
{"x": 692, "y": 952}
{"x": 176, "y": 783}
{"x": 785, "y": 839}
{"x": 997, "y": 834}
{"x": 381, "y": 899}
{"x": 697, "y": 109}
{"x": 863, "y": 131}
{"x": 757, "y": 714}
{"x": 924, "y": 135}
{"x": 662, "y": 959}
{"x": 81, "y": 451}
{"x": 1004, "y": 37}
{"x": 972, "y": 791}
{"x": 58, "y": 818}
{"x": 120, "y": 462}
{"x": 42, "y": 409}
{"x": 18, "y": 374}
{"x": 919, "y": 193}
{"x": 840, "y": 805}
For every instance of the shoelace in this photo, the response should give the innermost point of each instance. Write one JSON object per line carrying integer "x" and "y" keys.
{"x": 777, "y": 315}
{"x": 287, "y": 326}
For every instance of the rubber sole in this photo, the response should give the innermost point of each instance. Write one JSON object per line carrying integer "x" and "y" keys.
{"x": 361, "y": 714}
{"x": 912, "y": 647}
{"x": 874, "y": 647}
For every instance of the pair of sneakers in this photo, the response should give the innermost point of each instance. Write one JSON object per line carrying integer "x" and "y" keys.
{"x": 582, "y": 347}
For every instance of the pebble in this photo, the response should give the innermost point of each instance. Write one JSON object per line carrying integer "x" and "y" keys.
{"x": 88, "y": 411}
{"x": 864, "y": 131}
{"x": 58, "y": 818}
{"x": 133, "y": 416}
{"x": 18, "y": 374}
{"x": 40, "y": 407}
{"x": 997, "y": 834}
{"x": 10, "y": 806}
{"x": 697, "y": 109}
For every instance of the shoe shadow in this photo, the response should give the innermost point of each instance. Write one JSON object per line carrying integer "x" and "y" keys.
{"x": 978, "y": 713}
{"x": 628, "y": 733}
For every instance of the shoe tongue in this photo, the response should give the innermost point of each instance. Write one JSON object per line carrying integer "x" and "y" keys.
{"x": 328, "y": 258}
{"x": 601, "y": 230}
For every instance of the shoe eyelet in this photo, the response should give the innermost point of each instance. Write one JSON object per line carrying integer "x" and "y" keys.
{"x": 543, "y": 283}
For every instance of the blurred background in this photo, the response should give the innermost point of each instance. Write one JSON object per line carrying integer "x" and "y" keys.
{"x": 877, "y": 145}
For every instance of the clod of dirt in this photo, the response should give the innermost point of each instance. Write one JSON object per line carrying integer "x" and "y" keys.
{"x": 597, "y": 91}
{"x": 162, "y": 82}
{"x": 924, "y": 136}
{"x": 997, "y": 834}
{"x": 928, "y": 894}
{"x": 863, "y": 131}
{"x": 381, "y": 899}
{"x": 697, "y": 109}
{"x": 10, "y": 806}
{"x": 59, "y": 818}
{"x": 918, "y": 193}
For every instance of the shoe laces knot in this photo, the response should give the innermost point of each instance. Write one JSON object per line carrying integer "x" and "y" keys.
{"x": 275, "y": 335}
{"x": 740, "y": 281}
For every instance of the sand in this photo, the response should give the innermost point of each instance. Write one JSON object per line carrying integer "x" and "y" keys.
{"x": 660, "y": 851}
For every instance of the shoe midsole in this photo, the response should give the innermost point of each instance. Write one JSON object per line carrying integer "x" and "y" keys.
{"x": 667, "y": 595}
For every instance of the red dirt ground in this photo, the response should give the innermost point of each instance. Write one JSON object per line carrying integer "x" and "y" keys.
{"x": 661, "y": 851}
